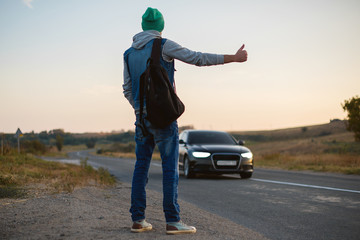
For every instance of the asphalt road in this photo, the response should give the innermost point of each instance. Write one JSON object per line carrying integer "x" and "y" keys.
{"x": 278, "y": 204}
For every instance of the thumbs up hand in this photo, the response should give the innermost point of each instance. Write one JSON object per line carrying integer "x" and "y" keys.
{"x": 241, "y": 55}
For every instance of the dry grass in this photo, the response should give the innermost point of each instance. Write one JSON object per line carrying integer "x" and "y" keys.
{"x": 18, "y": 171}
{"x": 155, "y": 156}
{"x": 325, "y": 154}
{"x": 53, "y": 152}
{"x": 339, "y": 163}
{"x": 123, "y": 150}
{"x": 326, "y": 148}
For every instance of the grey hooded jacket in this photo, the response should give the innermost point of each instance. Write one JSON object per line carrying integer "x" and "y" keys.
{"x": 171, "y": 51}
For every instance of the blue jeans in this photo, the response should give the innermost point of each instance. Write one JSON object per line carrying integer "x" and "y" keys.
{"x": 167, "y": 140}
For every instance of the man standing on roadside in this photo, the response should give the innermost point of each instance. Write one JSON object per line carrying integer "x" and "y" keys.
{"x": 167, "y": 139}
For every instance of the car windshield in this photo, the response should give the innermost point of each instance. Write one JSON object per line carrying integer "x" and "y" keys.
{"x": 210, "y": 138}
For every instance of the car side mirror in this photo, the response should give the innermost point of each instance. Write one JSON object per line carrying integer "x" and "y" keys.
{"x": 241, "y": 142}
{"x": 182, "y": 142}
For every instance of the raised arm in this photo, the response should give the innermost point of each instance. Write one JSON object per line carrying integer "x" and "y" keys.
{"x": 172, "y": 50}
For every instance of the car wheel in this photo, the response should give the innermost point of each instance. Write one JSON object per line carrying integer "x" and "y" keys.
{"x": 245, "y": 175}
{"x": 187, "y": 171}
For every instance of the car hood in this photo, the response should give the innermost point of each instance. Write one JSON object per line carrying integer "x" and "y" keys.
{"x": 220, "y": 148}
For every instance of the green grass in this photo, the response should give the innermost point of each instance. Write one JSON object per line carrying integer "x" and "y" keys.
{"x": 19, "y": 171}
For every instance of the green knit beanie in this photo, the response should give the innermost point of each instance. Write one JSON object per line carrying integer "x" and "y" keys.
{"x": 152, "y": 20}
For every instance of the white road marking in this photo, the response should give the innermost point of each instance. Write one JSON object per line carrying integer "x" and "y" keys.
{"x": 292, "y": 184}
{"x": 306, "y": 185}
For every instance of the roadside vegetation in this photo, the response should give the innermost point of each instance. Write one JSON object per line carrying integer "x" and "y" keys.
{"x": 352, "y": 107}
{"x": 336, "y": 163}
{"x": 123, "y": 150}
{"x": 324, "y": 148}
{"x": 20, "y": 172}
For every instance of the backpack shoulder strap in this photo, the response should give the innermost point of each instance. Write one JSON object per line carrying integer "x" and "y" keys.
{"x": 156, "y": 51}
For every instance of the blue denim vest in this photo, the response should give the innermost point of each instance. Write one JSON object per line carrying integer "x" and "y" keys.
{"x": 136, "y": 60}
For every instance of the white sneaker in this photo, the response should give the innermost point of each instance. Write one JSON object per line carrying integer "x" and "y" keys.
{"x": 179, "y": 228}
{"x": 141, "y": 226}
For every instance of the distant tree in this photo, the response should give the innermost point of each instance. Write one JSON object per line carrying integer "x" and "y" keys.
{"x": 57, "y": 131}
{"x": 59, "y": 142}
{"x": 352, "y": 106}
{"x": 43, "y": 135}
{"x": 304, "y": 129}
{"x": 124, "y": 137}
{"x": 90, "y": 143}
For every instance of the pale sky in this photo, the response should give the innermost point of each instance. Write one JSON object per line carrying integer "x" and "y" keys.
{"x": 61, "y": 62}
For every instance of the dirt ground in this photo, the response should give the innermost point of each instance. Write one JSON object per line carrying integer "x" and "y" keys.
{"x": 103, "y": 213}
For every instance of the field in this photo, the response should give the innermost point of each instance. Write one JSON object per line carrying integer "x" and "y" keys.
{"x": 327, "y": 148}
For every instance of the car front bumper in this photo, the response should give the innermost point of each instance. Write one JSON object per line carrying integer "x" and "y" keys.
{"x": 208, "y": 166}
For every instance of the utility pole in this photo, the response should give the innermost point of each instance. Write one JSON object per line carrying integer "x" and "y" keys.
{"x": 18, "y": 134}
{"x": 18, "y": 138}
{"x": 2, "y": 144}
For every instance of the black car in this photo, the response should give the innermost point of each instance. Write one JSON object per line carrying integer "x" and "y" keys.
{"x": 213, "y": 152}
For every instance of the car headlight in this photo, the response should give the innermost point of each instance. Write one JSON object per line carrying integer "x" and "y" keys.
{"x": 201, "y": 154}
{"x": 247, "y": 155}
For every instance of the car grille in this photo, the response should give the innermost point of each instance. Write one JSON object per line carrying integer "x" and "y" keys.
{"x": 222, "y": 161}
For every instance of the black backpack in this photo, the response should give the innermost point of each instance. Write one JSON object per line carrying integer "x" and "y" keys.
{"x": 162, "y": 104}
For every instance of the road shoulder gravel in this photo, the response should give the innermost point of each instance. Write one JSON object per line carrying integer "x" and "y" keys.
{"x": 102, "y": 213}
